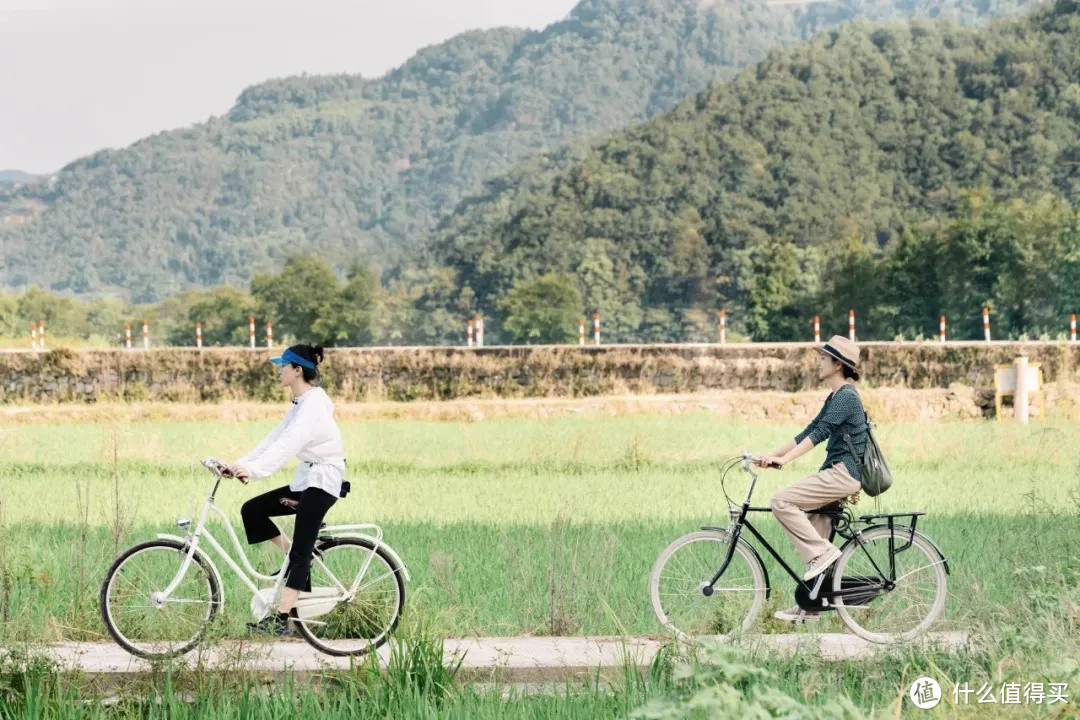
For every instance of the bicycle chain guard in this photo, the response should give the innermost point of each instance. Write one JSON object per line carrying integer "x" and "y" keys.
{"x": 319, "y": 601}
{"x": 802, "y": 592}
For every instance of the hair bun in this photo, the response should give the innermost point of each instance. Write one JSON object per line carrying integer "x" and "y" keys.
{"x": 317, "y": 351}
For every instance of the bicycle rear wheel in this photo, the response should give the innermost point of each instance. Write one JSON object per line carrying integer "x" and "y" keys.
{"x": 139, "y": 618}
{"x": 686, "y": 565}
{"x": 913, "y": 604}
{"x": 339, "y": 624}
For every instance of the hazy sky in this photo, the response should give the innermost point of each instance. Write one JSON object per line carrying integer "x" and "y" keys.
{"x": 80, "y": 75}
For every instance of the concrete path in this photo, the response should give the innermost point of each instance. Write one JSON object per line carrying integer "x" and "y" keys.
{"x": 510, "y": 659}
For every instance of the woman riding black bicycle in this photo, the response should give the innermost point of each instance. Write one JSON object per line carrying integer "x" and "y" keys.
{"x": 842, "y": 414}
{"x": 309, "y": 433}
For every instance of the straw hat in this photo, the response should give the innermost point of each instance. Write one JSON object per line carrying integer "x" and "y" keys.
{"x": 844, "y": 350}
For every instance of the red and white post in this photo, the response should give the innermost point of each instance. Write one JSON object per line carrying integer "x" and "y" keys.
{"x": 269, "y": 334}
{"x": 198, "y": 334}
{"x": 127, "y": 335}
{"x": 469, "y": 333}
{"x": 851, "y": 325}
{"x": 596, "y": 327}
{"x": 723, "y": 327}
{"x": 941, "y": 327}
{"x": 251, "y": 331}
{"x": 986, "y": 323}
{"x": 41, "y": 335}
{"x": 581, "y": 332}
{"x": 33, "y": 337}
{"x": 479, "y": 330}
{"x": 1072, "y": 327}
{"x": 145, "y": 335}
{"x": 817, "y": 328}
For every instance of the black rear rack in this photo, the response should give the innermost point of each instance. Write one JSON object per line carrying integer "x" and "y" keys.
{"x": 893, "y": 520}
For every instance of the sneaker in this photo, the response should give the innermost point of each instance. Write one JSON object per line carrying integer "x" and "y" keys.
{"x": 277, "y": 624}
{"x": 797, "y": 615}
{"x": 821, "y": 563}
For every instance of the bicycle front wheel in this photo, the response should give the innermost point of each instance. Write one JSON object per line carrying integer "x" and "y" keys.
{"x": 351, "y": 610}
{"x": 137, "y": 614}
{"x": 686, "y": 566}
{"x": 917, "y": 597}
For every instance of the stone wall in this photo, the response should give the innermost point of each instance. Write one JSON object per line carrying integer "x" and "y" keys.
{"x": 442, "y": 373}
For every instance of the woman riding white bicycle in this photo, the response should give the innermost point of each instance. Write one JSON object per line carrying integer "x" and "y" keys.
{"x": 309, "y": 433}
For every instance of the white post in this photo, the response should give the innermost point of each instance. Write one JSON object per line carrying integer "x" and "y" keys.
{"x": 41, "y": 335}
{"x": 986, "y": 323}
{"x": 817, "y": 328}
{"x": 596, "y": 327}
{"x": 127, "y": 335}
{"x": 941, "y": 328}
{"x": 1020, "y": 399}
{"x": 1072, "y": 328}
{"x": 851, "y": 325}
{"x": 198, "y": 334}
{"x": 145, "y": 335}
{"x": 479, "y": 331}
{"x": 581, "y": 332}
{"x": 723, "y": 327}
{"x": 470, "y": 333}
{"x": 269, "y": 335}
{"x": 33, "y": 337}
{"x": 251, "y": 331}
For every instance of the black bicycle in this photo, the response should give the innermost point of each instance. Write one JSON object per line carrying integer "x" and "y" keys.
{"x": 888, "y": 585}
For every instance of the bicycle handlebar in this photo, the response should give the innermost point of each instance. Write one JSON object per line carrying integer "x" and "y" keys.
{"x": 749, "y": 459}
{"x": 221, "y": 469}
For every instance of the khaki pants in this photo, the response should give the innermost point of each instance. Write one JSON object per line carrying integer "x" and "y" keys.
{"x": 811, "y": 535}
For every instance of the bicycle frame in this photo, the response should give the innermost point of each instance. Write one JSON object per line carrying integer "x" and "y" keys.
{"x": 247, "y": 574}
{"x": 739, "y": 516}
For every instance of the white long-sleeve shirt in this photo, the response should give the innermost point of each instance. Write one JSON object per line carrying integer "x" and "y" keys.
{"x": 309, "y": 433}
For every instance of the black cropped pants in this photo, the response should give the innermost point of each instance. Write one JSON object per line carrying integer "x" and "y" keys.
{"x": 312, "y": 508}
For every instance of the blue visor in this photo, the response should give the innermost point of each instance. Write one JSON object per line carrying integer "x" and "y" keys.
{"x": 290, "y": 357}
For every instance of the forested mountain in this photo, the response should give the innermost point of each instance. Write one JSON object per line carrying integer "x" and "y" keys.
{"x": 811, "y": 183}
{"x": 361, "y": 169}
{"x": 16, "y": 177}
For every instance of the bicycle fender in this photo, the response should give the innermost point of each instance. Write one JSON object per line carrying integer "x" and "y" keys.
{"x": 204, "y": 556}
{"x": 927, "y": 538}
{"x": 378, "y": 543}
{"x": 752, "y": 549}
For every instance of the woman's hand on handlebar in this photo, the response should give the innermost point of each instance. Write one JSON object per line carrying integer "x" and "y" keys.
{"x": 769, "y": 461}
{"x": 235, "y": 471}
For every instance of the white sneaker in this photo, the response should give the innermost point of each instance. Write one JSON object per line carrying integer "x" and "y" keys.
{"x": 821, "y": 563}
{"x": 798, "y": 615}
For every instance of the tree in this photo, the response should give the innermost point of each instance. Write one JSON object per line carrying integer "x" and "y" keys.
{"x": 9, "y": 316}
{"x": 356, "y": 307}
{"x": 224, "y": 313}
{"x": 542, "y": 310}
{"x": 302, "y": 300}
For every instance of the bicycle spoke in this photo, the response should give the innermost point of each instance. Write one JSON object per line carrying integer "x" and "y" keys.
{"x": 918, "y": 569}
{"x": 677, "y": 588}
{"x": 178, "y": 620}
{"x": 917, "y": 595}
{"x": 378, "y": 579}
{"x": 352, "y": 626}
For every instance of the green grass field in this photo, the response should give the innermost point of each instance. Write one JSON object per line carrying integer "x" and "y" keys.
{"x": 551, "y": 526}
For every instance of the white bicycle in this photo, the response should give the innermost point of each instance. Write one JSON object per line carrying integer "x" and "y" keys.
{"x": 159, "y": 597}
